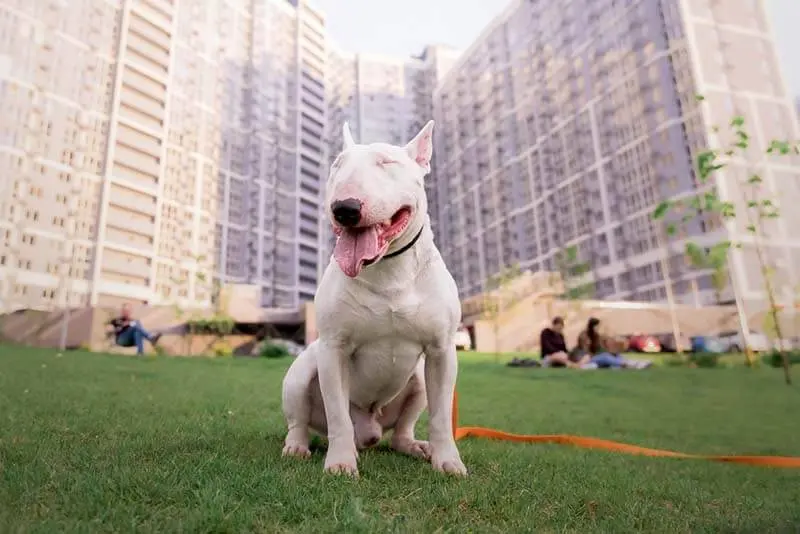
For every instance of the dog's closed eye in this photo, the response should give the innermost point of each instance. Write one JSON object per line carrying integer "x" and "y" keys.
{"x": 385, "y": 160}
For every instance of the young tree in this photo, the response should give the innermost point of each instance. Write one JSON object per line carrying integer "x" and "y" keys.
{"x": 496, "y": 299}
{"x": 714, "y": 259}
{"x": 575, "y": 274}
{"x": 759, "y": 210}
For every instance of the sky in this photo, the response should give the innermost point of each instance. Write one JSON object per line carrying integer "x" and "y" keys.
{"x": 404, "y": 27}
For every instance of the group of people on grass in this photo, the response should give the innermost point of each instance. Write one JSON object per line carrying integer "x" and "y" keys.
{"x": 592, "y": 351}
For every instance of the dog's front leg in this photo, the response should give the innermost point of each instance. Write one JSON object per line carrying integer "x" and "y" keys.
{"x": 441, "y": 369}
{"x": 334, "y": 385}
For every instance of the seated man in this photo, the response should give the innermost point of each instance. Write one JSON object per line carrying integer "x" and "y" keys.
{"x": 602, "y": 351}
{"x": 554, "y": 348}
{"x": 129, "y": 332}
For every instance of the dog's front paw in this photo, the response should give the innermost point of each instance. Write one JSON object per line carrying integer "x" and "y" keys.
{"x": 297, "y": 450}
{"x": 296, "y": 444}
{"x": 341, "y": 463}
{"x": 412, "y": 447}
{"x": 448, "y": 461}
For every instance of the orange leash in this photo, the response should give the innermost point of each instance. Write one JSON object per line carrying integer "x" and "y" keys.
{"x": 607, "y": 445}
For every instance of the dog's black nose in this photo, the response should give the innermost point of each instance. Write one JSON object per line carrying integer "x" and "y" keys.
{"x": 347, "y": 212}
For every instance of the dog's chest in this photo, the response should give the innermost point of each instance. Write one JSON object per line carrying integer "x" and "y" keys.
{"x": 403, "y": 317}
{"x": 387, "y": 346}
{"x": 380, "y": 368}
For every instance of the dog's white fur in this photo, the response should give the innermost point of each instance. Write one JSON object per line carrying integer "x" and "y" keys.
{"x": 386, "y": 335}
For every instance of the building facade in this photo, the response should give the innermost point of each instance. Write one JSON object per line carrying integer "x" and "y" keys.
{"x": 565, "y": 125}
{"x": 153, "y": 148}
{"x": 275, "y": 161}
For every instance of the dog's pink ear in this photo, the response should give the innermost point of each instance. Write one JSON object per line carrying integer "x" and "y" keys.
{"x": 420, "y": 149}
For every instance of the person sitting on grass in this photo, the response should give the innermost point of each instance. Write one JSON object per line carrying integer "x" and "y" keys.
{"x": 599, "y": 349}
{"x": 129, "y": 332}
{"x": 554, "y": 349}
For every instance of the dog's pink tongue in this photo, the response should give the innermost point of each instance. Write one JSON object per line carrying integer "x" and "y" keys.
{"x": 355, "y": 246}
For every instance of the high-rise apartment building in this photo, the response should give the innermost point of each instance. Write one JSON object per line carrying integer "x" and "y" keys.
{"x": 565, "y": 123}
{"x": 274, "y": 160}
{"x": 85, "y": 133}
{"x": 150, "y": 146}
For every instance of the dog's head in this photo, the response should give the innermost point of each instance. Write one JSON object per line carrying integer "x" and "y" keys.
{"x": 376, "y": 197}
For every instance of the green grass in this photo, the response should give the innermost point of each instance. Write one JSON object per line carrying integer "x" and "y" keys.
{"x": 99, "y": 443}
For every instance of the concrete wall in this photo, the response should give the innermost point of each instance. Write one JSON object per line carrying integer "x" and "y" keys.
{"x": 87, "y": 328}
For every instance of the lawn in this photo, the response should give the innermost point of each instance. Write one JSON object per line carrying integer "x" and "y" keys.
{"x": 92, "y": 442}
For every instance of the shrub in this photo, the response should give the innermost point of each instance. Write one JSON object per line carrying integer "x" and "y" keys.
{"x": 705, "y": 359}
{"x": 273, "y": 350}
{"x": 219, "y": 325}
{"x": 222, "y": 350}
{"x": 775, "y": 358}
{"x": 754, "y": 362}
{"x": 675, "y": 361}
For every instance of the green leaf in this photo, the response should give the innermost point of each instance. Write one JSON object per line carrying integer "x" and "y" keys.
{"x": 671, "y": 229}
{"x": 727, "y": 210}
{"x": 707, "y": 165}
{"x": 662, "y": 209}
{"x": 719, "y": 278}
{"x": 737, "y": 121}
{"x": 744, "y": 139}
{"x": 699, "y": 97}
{"x": 754, "y": 179}
{"x": 711, "y": 200}
{"x": 751, "y": 228}
{"x": 718, "y": 254}
{"x": 697, "y": 255}
{"x": 782, "y": 147}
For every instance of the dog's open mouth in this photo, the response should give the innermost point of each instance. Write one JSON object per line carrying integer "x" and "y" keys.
{"x": 364, "y": 245}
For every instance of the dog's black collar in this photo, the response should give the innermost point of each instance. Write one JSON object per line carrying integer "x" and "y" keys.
{"x": 408, "y": 246}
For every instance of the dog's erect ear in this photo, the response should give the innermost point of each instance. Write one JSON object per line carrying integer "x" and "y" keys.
{"x": 420, "y": 149}
{"x": 348, "y": 137}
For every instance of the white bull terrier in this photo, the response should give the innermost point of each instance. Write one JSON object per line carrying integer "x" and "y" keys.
{"x": 387, "y": 313}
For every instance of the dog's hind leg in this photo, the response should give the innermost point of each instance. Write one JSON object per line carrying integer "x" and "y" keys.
{"x": 297, "y": 402}
{"x": 414, "y": 400}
